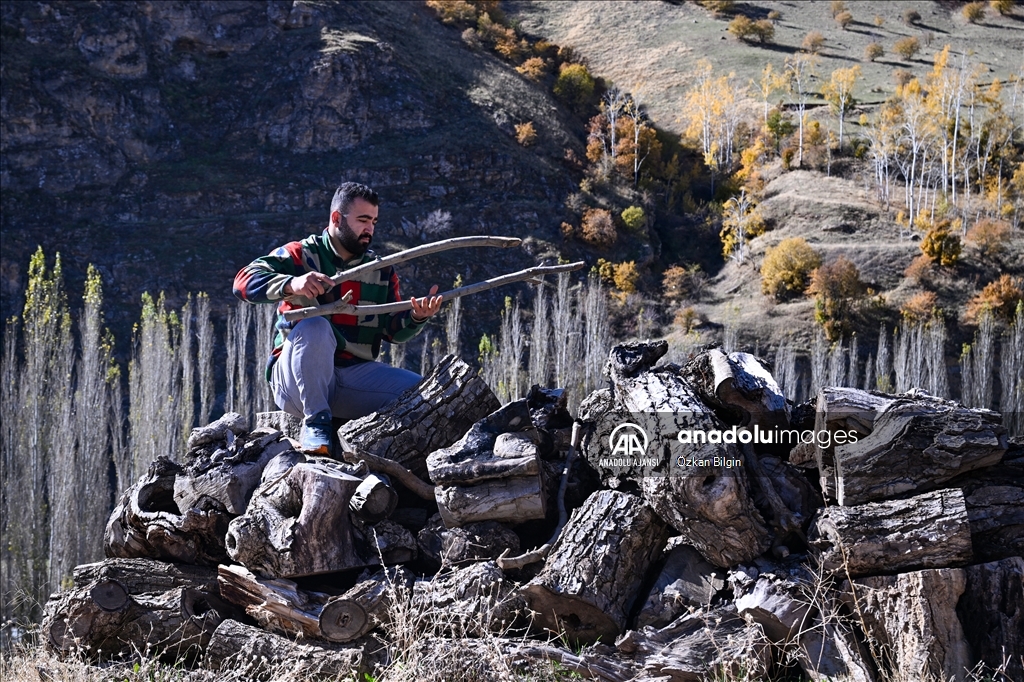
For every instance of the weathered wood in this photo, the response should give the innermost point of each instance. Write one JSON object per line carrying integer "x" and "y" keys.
{"x": 478, "y": 541}
{"x": 991, "y": 611}
{"x": 911, "y": 620}
{"x": 409, "y": 480}
{"x": 389, "y": 542}
{"x": 686, "y": 580}
{"x": 849, "y": 410}
{"x": 367, "y": 604}
{"x": 995, "y": 508}
{"x": 741, "y": 385}
{"x": 433, "y": 415}
{"x": 513, "y": 499}
{"x": 288, "y": 424}
{"x": 231, "y": 422}
{"x": 226, "y": 478}
{"x": 123, "y": 606}
{"x": 927, "y": 531}
{"x": 298, "y": 524}
{"x": 594, "y": 572}
{"x": 917, "y": 444}
{"x": 701, "y": 489}
{"x": 374, "y": 499}
{"x": 470, "y": 600}
{"x": 277, "y": 604}
{"x": 251, "y": 653}
{"x": 146, "y": 523}
{"x": 719, "y": 644}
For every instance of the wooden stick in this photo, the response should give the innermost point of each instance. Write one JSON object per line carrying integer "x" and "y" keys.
{"x": 426, "y": 249}
{"x": 344, "y": 308}
{"x": 386, "y": 466}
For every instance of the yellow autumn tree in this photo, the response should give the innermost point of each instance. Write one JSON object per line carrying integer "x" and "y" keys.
{"x": 839, "y": 94}
{"x": 711, "y": 117}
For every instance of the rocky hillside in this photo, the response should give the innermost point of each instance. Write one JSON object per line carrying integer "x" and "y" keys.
{"x": 169, "y": 144}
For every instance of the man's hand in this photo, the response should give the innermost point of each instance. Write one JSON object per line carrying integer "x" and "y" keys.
{"x": 310, "y": 285}
{"x": 423, "y": 308}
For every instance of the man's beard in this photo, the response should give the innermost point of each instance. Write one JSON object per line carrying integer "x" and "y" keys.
{"x": 350, "y": 240}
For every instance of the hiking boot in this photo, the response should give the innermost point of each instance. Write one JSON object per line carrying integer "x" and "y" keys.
{"x": 316, "y": 434}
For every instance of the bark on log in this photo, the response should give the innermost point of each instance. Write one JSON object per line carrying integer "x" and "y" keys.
{"x": 231, "y": 422}
{"x": 741, "y": 385}
{"x": 705, "y": 496}
{"x": 595, "y": 569}
{"x": 917, "y": 445}
{"x": 388, "y": 542}
{"x": 375, "y": 596}
{"x": 514, "y": 500}
{"x": 991, "y": 611}
{"x": 842, "y": 409}
{"x": 251, "y": 653}
{"x": 686, "y": 580}
{"x": 433, "y": 415}
{"x": 374, "y": 499}
{"x": 468, "y": 601}
{"x": 927, "y": 531}
{"x": 719, "y": 644}
{"x": 279, "y": 420}
{"x": 995, "y": 508}
{"x": 912, "y": 620}
{"x": 146, "y": 523}
{"x": 124, "y": 606}
{"x": 298, "y": 524}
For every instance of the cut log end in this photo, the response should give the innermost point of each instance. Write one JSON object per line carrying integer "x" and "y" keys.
{"x": 109, "y": 595}
{"x": 573, "y": 618}
{"x": 343, "y": 620}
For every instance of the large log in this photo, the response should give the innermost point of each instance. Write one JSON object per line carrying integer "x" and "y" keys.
{"x": 915, "y": 443}
{"x": 718, "y": 644}
{"x": 147, "y": 523}
{"x": 995, "y": 508}
{"x": 912, "y": 623}
{"x": 298, "y": 524}
{"x": 846, "y": 410}
{"x": 701, "y": 488}
{"x": 468, "y": 601}
{"x": 991, "y": 611}
{"x": 229, "y": 425}
{"x": 432, "y": 415}
{"x": 740, "y": 385}
{"x": 253, "y": 654}
{"x": 595, "y": 569}
{"x": 927, "y": 531}
{"x": 120, "y": 607}
{"x": 685, "y": 581}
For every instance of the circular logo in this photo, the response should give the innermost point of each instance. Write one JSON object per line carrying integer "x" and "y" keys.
{"x": 628, "y": 439}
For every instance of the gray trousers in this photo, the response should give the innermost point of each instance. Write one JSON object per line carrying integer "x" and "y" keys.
{"x": 306, "y": 382}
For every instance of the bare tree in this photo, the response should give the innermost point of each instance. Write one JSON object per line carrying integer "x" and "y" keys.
{"x": 204, "y": 360}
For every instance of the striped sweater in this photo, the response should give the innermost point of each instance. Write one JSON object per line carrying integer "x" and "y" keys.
{"x": 359, "y": 338}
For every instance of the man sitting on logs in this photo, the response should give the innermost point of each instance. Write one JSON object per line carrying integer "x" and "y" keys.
{"x": 327, "y": 366}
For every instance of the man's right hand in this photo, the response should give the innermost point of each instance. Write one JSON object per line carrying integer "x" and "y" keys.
{"x": 310, "y": 285}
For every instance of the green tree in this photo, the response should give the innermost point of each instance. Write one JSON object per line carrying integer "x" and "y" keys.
{"x": 574, "y": 86}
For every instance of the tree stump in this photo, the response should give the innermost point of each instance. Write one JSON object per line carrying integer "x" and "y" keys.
{"x": 432, "y": 415}
{"x": 912, "y": 619}
{"x": 927, "y": 531}
{"x": 251, "y": 653}
{"x": 700, "y": 488}
{"x": 147, "y": 523}
{"x": 124, "y": 606}
{"x": 992, "y": 614}
{"x": 298, "y": 524}
{"x": 493, "y": 473}
{"x": 595, "y": 569}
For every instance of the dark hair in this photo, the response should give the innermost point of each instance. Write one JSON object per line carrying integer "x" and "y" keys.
{"x": 348, "y": 191}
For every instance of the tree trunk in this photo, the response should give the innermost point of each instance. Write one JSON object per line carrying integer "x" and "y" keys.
{"x": 595, "y": 569}
{"x": 917, "y": 445}
{"x": 251, "y": 653}
{"x": 433, "y": 415}
{"x": 927, "y": 531}
{"x": 298, "y": 524}
{"x": 992, "y": 613}
{"x": 124, "y": 606}
{"x": 740, "y": 385}
{"x": 701, "y": 489}
{"x": 719, "y": 644}
{"x": 912, "y": 619}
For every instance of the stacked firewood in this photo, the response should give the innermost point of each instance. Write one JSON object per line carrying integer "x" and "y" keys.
{"x": 688, "y": 521}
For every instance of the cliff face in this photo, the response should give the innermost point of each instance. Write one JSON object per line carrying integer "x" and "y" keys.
{"x": 170, "y": 143}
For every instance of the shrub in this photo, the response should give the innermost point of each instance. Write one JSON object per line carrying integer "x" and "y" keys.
{"x": 919, "y": 307}
{"x": 873, "y": 51}
{"x": 633, "y": 218}
{"x": 453, "y": 11}
{"x": 838, "y": 7}
{"x": 687, "y": 318}
{"x": 813, "y": 42}
{"x": 574, "y": 85}
{"x": 626, "y": 276}
{"x": 974, "y": 12}
{"x": 679, "y": 282}
{"x": 526, "y": 134}
{"x": 472, "y": 39}
{"x": 1001, "y": 296}
{"x": 598, "y": 229}
{"x": 844, "y": 19}
{"x": 879, "y": 20}
{"x": 774, "y": 16}
{"x": 1004, "y": 7}
{"x": 717, "y": 7}
{"x": 533, "y": 68}
{"x": 605, "y": 270}
{"x": 941, "y": 245}
{"x": 921, "y": 270}
{"x": 835, "y": 288}
{"x": 907, "y": 47}
{"x": 911, "y": 16}
{"x": 741, "y": 27}
{"x": 787, "y": 268}
{"x": 764, "y": 29}
{"x": 989, "y": 236}
{"x": 902, "y": 77}
{"x": 568, "y": 231}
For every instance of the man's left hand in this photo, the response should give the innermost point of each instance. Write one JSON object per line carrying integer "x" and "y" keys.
{"x": 426, "y": 307}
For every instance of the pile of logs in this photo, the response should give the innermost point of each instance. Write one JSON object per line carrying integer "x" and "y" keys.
{"x": 687, "y": 522}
